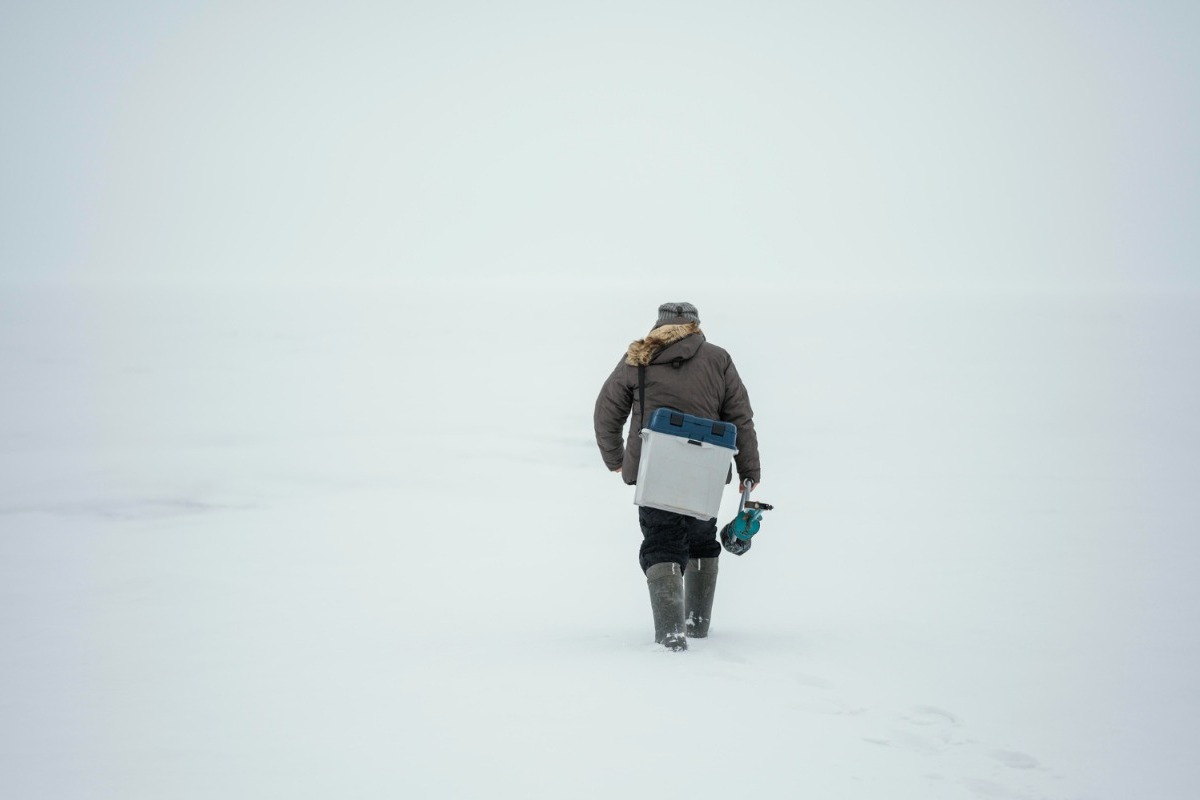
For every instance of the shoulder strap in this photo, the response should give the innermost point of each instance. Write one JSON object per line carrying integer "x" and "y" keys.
{"x": 641, "y": 396}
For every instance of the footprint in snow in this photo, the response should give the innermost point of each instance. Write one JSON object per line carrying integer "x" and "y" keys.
{"x": 930, "y": 715}
{"x": 933, "y": 731}
{"x": 936, "y": 730}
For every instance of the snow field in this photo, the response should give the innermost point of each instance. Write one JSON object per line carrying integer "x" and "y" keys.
{"x": 358, "y": 542}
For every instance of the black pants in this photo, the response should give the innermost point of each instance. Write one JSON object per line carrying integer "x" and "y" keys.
{"x": 668, "y": 536}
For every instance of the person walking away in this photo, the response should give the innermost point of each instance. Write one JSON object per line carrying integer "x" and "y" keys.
{"x": 679, "y": 369}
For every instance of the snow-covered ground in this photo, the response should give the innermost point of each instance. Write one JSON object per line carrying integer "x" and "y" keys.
{"x": 358, "y": 542}
{"x": 298, "y": 500}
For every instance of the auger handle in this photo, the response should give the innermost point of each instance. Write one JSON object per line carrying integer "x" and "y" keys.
{"x": 747, "y": 485}
{"x": 746, "y": 502}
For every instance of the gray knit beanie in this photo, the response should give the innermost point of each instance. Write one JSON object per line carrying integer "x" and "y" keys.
{"x": 676, "y": 314}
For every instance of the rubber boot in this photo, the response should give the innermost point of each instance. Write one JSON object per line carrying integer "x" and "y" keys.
{"x": 666, "y": 602}
{"x": 699, "y": 586}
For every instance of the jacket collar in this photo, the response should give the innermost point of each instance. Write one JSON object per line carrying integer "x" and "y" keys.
{"x": 643, "y": 351}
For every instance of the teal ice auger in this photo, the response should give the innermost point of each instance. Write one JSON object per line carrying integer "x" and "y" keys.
{"x": 735, "y": 537}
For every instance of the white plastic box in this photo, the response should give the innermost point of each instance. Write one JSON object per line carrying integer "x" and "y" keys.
{"x": 681, "y": 471}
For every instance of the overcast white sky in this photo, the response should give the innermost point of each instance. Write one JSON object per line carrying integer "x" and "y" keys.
{"x": 918, "y": 144}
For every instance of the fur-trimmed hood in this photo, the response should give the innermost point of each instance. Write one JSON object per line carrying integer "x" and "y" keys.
{"x": 642, "y": 351}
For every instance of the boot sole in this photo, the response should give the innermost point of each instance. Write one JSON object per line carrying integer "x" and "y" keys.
{"x": 676, "y": 643}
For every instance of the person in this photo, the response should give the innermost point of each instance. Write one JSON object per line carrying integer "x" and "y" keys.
{"x": 682, "y": 371}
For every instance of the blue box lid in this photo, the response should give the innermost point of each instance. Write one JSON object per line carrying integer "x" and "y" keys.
{"x": 697, "y": 429}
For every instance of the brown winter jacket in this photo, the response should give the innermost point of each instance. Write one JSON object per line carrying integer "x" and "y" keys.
{"x": 683, "y": 372}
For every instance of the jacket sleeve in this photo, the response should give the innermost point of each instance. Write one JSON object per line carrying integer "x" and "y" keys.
{"x": 612, "y": 410}
{"x": 735, "y": 408}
